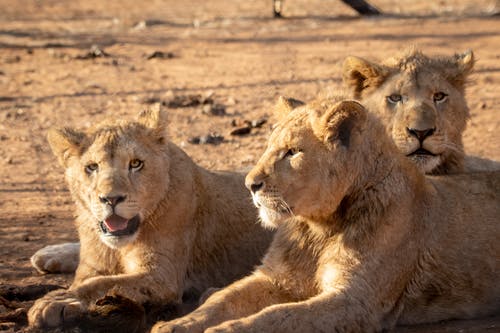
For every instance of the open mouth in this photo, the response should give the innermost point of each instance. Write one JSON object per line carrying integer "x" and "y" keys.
{"x": 116, "y": 225}
{"x": 421, "y": 151}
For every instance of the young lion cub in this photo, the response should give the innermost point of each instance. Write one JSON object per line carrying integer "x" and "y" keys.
{"x": 421, "y": 100}
{"x": 152, "y": 224}
{"x": 364, "y": 240}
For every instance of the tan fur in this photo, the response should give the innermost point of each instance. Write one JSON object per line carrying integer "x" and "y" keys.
{"x": 197, "y": 228}
{"x": 418, "y": 79}
{"x": 58, "y": 258}
{"x": 364, "y": 240}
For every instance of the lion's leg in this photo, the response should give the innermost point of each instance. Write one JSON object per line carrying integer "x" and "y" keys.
{"x": 242, "y": 298}
{"x": 59, "y": 307}
{"x": 59, "y": 258}
{"x": 157, "y": 280}
{"x": 324, "y": 313}
{"x": 142, "y": 287}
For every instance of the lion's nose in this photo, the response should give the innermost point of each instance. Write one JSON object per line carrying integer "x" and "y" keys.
{"x": 254, "y": 187}
{"x": 112, "y": 200}
{"x": 421, "y": 134}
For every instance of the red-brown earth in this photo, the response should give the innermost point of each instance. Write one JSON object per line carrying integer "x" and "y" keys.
{"x": 232, "y": 52}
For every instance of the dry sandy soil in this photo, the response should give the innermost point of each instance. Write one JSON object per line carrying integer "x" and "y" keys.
{"x": 232, "y": 53}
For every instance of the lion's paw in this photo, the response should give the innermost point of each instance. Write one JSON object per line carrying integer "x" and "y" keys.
{"x": 55, "y": 309}
{"x": 231, "y": 326}
{"x": 182, "y": 325}
{"x": 59, "y": 258}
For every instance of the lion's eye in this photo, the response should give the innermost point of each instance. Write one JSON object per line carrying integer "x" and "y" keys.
{"x": 394, "y": 98}
{"x": 91, "y": 167}
{"x": 136, "y": 165}
{"x": 439, "y": 97}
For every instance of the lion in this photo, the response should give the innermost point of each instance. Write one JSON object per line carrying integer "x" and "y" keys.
{"x": 421, "y": 100}
{"x": 152, "y": 224}
{"x": 364, "y": 240}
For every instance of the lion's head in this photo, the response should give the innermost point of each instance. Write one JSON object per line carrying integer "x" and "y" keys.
{"x": 113, "y": 170}
{"x": 421, "y": 100}
{"x": 309, "y": 164}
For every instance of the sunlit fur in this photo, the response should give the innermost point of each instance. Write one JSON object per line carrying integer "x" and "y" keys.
{"x": 198, "y": 229}
{"x": 417, "y": 78}
{"x": 371, "y": 243}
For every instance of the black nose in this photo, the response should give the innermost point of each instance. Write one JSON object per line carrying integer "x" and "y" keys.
{"x": 256, "y": 186}
{"x": 421, "y": 134}
{"x": 112, "y": 201}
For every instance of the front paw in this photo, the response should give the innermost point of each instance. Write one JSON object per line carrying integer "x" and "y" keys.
{"x": 182, "y": 325}
{"x": 55, "y": 309}
{"x": 231, "y": 326}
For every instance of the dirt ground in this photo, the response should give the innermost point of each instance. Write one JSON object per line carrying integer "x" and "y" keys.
{"x": 224, "y": 61}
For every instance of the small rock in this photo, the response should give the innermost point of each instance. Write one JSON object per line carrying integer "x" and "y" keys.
{"x": 160, "y": 55}
{"x": 150, "y": 100}
{"x": 241, "y": 131}
{"x": 231, "y": 101}
{"x": 214, "y": 109}
{"x": 183, "y": 101}
{"x": 212, "y": 138}
{"x": 6, "y": 99}
{"x": 147, "y": 23}
{"x": 94, "y": 52}
{"x": 258, "y": 123}
{"x": 247, "y": 123}
{"x": 140, "y": 25}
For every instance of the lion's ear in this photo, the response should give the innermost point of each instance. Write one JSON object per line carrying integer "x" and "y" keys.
{"x": 359, "y": 74}
{"x": 65, "y": 143}
{"x": 156, "y": 119}
{"x": 464, "y": 63}
{"x": 338, "y": 122}
{"x": 285, "y": 105}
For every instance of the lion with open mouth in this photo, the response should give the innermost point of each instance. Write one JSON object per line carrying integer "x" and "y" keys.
{"x": 153, "y": 225}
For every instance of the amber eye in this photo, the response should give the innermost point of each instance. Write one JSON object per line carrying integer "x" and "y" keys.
{"x": 91, "y": 167}
{"x": 439, "y": 97}
{"x": 394, "y": 98}
{"x": 136, "y": 165}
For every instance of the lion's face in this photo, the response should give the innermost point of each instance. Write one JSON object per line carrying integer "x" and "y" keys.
{"x": 113, "y": 172}
{"x": 422, "y": 103}
{"x": 304, "y": 170}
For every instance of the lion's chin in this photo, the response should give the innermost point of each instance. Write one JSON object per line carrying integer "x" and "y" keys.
{"x": 116, "y": 231}
{"x": 425, "y": 162}
{"x": 271, "y": 219}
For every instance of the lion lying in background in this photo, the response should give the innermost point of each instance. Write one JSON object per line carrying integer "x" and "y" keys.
{"x": 421, "y": 100}
{"x": 152, "y": 224}
{"x": 364, "y": 240}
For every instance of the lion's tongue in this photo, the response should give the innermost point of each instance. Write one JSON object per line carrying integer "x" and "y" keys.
{"x": 116, "y": 223}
